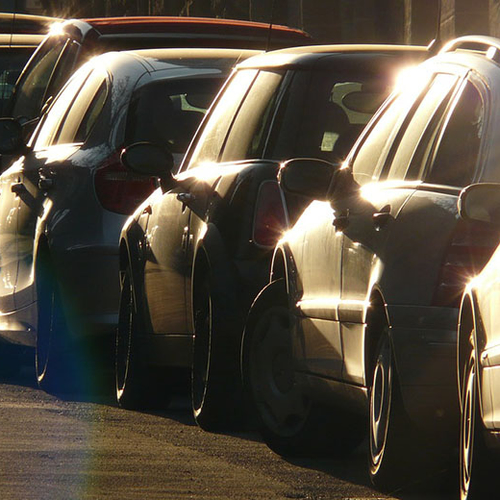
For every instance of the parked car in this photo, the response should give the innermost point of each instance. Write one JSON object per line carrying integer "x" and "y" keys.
{"x": 478, "y": 364}
{"x": 64, "y": 201}
{"x": 359, "y": 317}
{"x": 73, "y": 42}
{"x": 20, "y": 35}
{"x": 194, "y": 255}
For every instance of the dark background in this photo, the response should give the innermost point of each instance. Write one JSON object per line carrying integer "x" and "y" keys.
{"x": 328, "y": 21}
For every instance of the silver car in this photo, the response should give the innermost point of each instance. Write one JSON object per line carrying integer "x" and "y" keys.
{"x": 64, "y": 201}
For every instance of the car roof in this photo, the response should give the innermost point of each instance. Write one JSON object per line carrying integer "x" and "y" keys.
{"x": 25, "y": 23}
{"x": 182, "y": 29}
{"x": 189, "y": 57}
{"x": 310, "y": 55}
{"x": 20, "y": 41}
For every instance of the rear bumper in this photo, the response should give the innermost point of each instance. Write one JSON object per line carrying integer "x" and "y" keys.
{"x": 424, "y": 340}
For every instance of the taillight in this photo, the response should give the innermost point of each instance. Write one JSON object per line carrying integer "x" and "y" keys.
{"x": 470, "y": 249}
{"x": 120, "y": 190}
{"x": 270, "y": 217}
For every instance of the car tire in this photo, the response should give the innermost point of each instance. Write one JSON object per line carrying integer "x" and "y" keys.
{"x": 137, "y": 385}
{"x": 290, "y": 423}
{"x": 215, "y": 378}
{"x": 55, "y": 371}
{"x": 393, "y": 441}
{"x": 478, "y": 466}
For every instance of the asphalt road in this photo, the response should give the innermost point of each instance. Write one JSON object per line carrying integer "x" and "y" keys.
{"x": 53, "y": 448}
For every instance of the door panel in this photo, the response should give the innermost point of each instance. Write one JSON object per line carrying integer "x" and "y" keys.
{"x": 316, "y": 247}
{"x": 372, "y": 215}
{"x": 166, "y": 265}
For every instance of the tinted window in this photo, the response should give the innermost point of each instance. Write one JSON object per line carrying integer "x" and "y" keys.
{"x": 31, "y": 90}
{"x": 210, "y": 141}
{"x": 169, "y": 112}
{"x": 433, "y": 99}
{"x": 84, "y": 111}
{"x": 324, "y": 111}
{"x": 456, "y": 157}
{"x": 48, "y": 129}
{"x": 247, "y": 136}
{"x": 376, "y": 144}
{"x": 12, "y": 61}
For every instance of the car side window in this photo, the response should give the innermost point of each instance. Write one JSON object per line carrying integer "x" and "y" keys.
{"x": 381, "y": 133}
{"x": 211, "y": 139}
{"x": 84, "y": 111}
{"x": 439, "y": 91}
{"x": 247, "y": 136}
{"x": 29, "y": 95}
{"x": 455, "y": 159}
{"x": 46, "y": 132}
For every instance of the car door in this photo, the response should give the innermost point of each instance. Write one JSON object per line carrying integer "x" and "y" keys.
{"x": 49, "y": 176}
{"x": 374, "y": 227}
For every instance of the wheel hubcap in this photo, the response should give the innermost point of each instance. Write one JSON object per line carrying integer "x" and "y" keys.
{"x": 380, "y": 404}
{"x": 467, "y": 431}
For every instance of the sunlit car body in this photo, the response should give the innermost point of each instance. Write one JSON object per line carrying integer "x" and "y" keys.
{"x": 478, "y": 359}
{"x": 194, "y": 257}
{"x": 64, "y": 201}
{"x": 365, "y": 288}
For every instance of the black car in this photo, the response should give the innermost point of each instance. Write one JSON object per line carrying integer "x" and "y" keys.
{"x": 195, "y": 254}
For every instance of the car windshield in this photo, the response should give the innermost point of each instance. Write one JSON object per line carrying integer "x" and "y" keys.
{"x": 169, "y": 112}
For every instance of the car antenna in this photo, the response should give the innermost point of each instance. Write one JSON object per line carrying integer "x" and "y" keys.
{"x": 270, "y": 26}
{"x": 435, "y": 45}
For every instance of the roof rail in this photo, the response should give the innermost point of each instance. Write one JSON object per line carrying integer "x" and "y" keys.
{"x": 487, "y": 44}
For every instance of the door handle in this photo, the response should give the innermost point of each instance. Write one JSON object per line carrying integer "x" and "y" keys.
{"x": 45, "y": 180}
{"x": 380, "y": 219}
{"x": 341, "y": 220}
{"x": 18, "y": 188}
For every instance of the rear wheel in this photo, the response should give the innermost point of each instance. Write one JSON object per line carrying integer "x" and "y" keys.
{"x": 290, "y": 423}
{"x": 478, "y": 468}
{"x": 215, "y": 382}
{"x": 137, "y": 387}
{"x": 392, "y": 438}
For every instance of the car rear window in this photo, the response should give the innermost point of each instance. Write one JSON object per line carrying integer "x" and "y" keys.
{"x": 169, "y": 112}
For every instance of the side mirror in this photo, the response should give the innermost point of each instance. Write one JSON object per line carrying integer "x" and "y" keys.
{"x": 11, "y": 137}
{"x": 147, "y": 158}
{"x": 480, "y": 202}
{"x": 307, "y": 177}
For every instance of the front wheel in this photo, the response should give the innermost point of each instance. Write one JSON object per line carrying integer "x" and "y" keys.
{"x": 291, "y": 424}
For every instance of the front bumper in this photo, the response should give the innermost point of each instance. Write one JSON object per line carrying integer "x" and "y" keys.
{"x": 425, "y": 347}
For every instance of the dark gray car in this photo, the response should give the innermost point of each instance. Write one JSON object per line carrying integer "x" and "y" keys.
{"x": 64, "y": 201}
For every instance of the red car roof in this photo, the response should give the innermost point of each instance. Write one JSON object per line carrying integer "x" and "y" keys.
{"x": 159, "y": 24}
